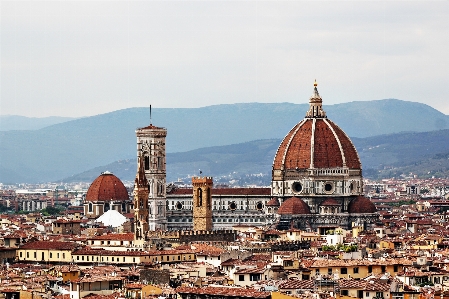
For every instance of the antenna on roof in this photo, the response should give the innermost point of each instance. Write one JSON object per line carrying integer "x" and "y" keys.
{"x": 150, "y": 116}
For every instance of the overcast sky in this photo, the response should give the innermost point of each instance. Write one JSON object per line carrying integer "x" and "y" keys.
{"x": 80, "y": 58}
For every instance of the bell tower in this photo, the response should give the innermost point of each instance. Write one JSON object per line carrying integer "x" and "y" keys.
{"x": 151, "y": 147}
{"x": 202, "y": 203}
{"x": 140, "y": 192}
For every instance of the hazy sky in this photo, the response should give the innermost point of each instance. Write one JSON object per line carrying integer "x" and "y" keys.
{"x": 80, "y": 58}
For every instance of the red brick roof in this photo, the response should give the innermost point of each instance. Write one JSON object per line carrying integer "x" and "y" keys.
{"x": 296, "y": 148}
{"x": 45, "y": 245}
{"x": 330, "y": 202}
{"x": 223, "y": 291}
{"x": 274, "y": 202}
{"x": 107, "y": 187}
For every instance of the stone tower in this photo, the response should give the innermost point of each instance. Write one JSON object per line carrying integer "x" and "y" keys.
{"x": 151, "y": 146}
{"x": 202, "y": 203}
{"x": 141, "y": 192}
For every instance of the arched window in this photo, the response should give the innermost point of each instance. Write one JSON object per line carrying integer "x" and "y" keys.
{"x": 147, "y": 162}
{"x": 208, "y": 197}
{"x": 200, "y": 197}
{"x": 91, "y": 207}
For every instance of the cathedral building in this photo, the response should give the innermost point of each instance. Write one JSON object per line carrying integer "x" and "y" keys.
{"x": 316, "y": 185}
{"x": 317, "y": 176}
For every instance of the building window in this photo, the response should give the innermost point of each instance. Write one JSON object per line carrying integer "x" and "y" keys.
{"x": 51, "y": 255}
{"x": 355, "y": 270}
{"x": 241, "y": 277}
{"x": 147, "y": 162}
{"x": 329, "y": 271}
{"x": 35, "y": 255}
{"x": 366, "y": 294}
{"x": 254, "y": 277}
{"x": 395, "y": 268}
{"x": 383, "y": 269}
{"x": 370, "y": 269}
{"x": 90, "y": 207}
{"x": 344, "y": 292}
{"x": 344, "y": 271}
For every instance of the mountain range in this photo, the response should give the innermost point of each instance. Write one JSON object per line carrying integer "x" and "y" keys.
{"x": 62, "y": 150}
{"x": 425, "y": 154}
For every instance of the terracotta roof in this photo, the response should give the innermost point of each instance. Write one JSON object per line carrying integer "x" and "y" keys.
{"x": 50, "y": 245}
{"x": 274, "y": 202}
{"x": 224, "y": 291}
{"x": 107, "y": 187}
{"x": 362, "y": 205}
{"x": 151, "y": 127}
{"x": 294, "y": 206}
{"x": 297, "y": 284}
{"x": 330, "y": 202}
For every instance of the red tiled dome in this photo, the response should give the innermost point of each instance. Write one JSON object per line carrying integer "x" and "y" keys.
{"x": 107, "y": 187}
{"x": 316, "y": 142}
{"x": 361, "y": 205}
{"x": 294, "y": 206}
{"x": 330, "y": 202}
{"x": 274, "y": 202}
{"x": 331, "y": 147}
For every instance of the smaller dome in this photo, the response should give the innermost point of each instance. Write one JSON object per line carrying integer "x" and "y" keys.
{"x": 294, "y": 206}
{"x": 361, "y": 205}
{"x": 274, "y": 202}
{"x": 107, "y": 187}
{"x": 330, "y": 202}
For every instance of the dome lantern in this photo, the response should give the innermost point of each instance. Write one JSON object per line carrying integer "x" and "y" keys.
{"x": 316, "y": 104}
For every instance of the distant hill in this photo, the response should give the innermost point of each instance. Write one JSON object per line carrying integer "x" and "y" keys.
{"x": 17, "y": 122}
{"x": 436, "y": 166}
{"x": 64, "y": 149}
{"x": 425, "y": 154}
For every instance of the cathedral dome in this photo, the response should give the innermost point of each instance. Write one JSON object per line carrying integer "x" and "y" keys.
{"x": 361, "y": 205}
{"x": 294, "y": 206}
{"x": 316, "y": 159}
{"x": 107, "y": 187}
{"x": 316, "y": 142}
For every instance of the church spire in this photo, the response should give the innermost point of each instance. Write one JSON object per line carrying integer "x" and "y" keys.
{"x": 315, "y": 101}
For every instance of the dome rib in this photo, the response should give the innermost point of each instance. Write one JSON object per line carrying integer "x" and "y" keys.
{"x": 287, "y": 147}
{"x": 338, "y": 141}
{"x": 351, "y": 157}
